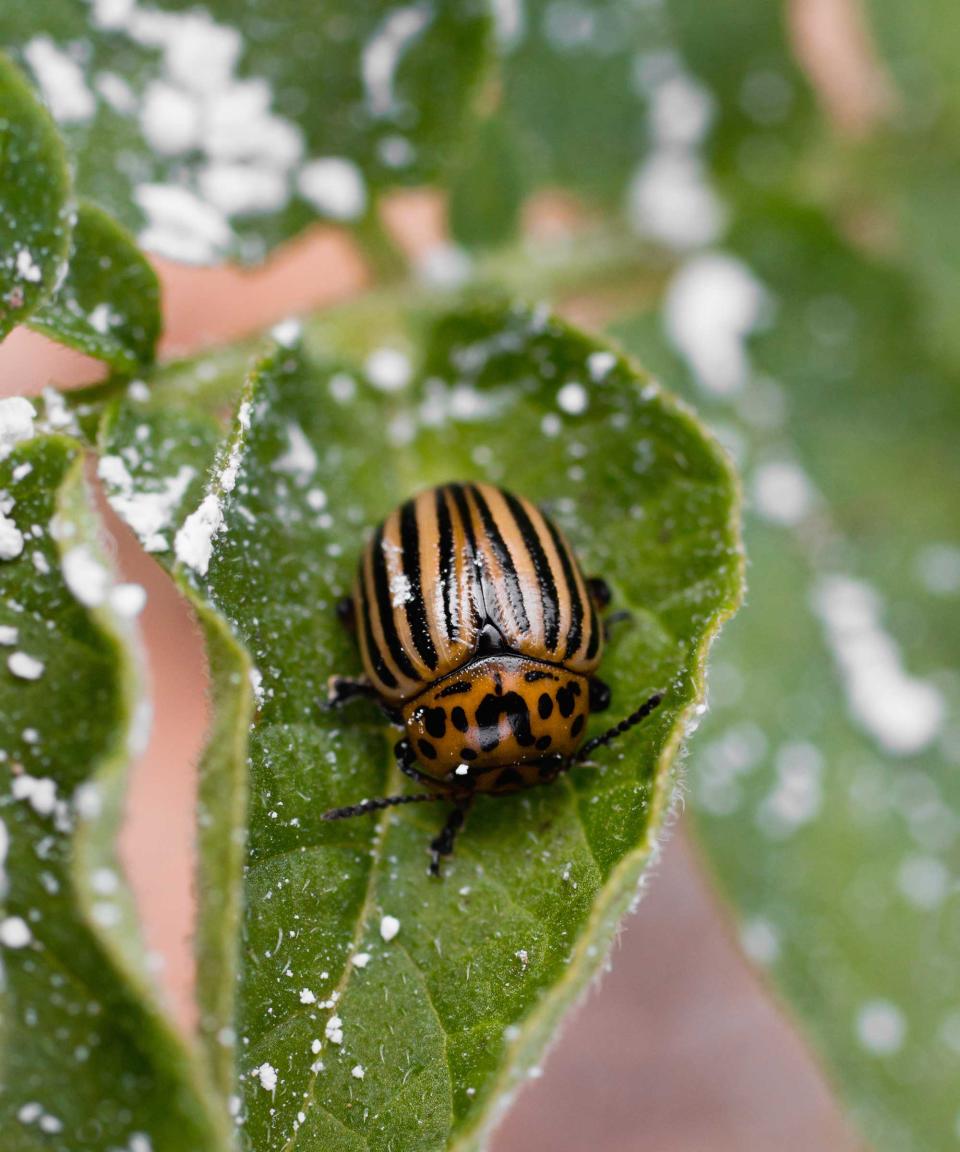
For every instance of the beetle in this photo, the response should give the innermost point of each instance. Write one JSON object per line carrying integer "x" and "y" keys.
{"x": 480, "y": 635}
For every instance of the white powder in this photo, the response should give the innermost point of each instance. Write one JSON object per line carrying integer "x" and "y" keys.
{"x": 382, "y": 54}
{"x": 14, "y": 932}
{"x": 334, "y": 1030}
{"x": 357, "y": 1072}
{"x": 8, "y": 634}
{"x": 85, "y": 576}
{"x": 40, "y": 794}
{"x": 335, "y": 187}
{"x": 194, "y": 541}
{"x": 149, "y": 513}
{"x": 903, "y": 713}
{"x": 24, "y": 666}
{"x": 307, "y": 997}
{"x": 169, "y": 119}
{"x": 760, "y": 940}
{"x": 881, "y": 1028}
{"x": 61, "y": 81}
{"x": 180, "y": 225}
{"x": 572, "y": 398}
{"x": 600, "y": 365}
{"x": 299, "y": 460}
{"x": 782, "y": 492}
{"x": 798, "y": 793}
{"x": 712, "y": 305}
{"x": 670, "y": 200}
{"x": 361, "y": 960}
{"x": 238, "y": 189}
{"x": 267, "y": 1075}
{"x": 27, "y": 267}
{"x": 16, "y": 423}
{"x": 11, "y": 539}
{"x": 389, "y": 369}
{"x": 389, "y": 927}
{"x": 127, "y": 600}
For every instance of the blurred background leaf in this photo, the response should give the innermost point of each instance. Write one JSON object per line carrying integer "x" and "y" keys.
{"x": 224, "y": 130}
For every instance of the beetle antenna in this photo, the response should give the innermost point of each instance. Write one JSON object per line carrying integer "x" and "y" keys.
{"x": 376, "y": 805}
{"x": 618, "y": 729}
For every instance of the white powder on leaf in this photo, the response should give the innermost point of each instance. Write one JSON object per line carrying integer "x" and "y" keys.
{"x": 389, "y": 369}
{"x": 902, "y": 713}
{"x": 169, "y": 119}
{"x": 307, "y": 997}
{"x": 85, "y": 576}
{"x": 572, "y": 398}
{"x": 24, "y": 666}
{"x": 15, "y": 932}
{"x": 782, "y": 492}
{"x": 334, "y": 186}
{"x": 127, "y": 600}
{"x": 194, "y": 541}
{"x": 27, "y": 267}
{"x": 16, "y": 423}
{"x": 40, "y": 794}
{"x": 180, "y": 225}
{"x": 267, "y": 1075}
{"x": 61, "y": 81}
{"x": 357, "y": 1072}
{"x": 8, "y": 634}
{"x": 389, "y": 927}
{"x": 712, "y": 305}
{"x": 299, "y": 460}
{"x": 383, "y": 52}
{"x": 881, "y": 1028}
{"x": 361, "y": 960}
{"x": 148, "y": 513}
{"x": 11, "y": 539}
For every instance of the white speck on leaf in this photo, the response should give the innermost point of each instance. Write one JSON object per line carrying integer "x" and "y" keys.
{"x": 334, "y": 186}
{"x": 25, "y": 666}
{"x": 16, "y": 423}
{"x": 15, "y": 932}
{"x": 61, "y": 81}
{"x": 389, "y": 927}
{"x": 881, "y": 1028}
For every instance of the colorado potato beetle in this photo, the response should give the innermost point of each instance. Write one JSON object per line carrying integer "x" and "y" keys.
{"x": 480, "y": 635}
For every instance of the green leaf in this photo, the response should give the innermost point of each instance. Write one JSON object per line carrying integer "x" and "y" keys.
{"x": 442, "y": 1023}
{"x": 34, "y": 200}
{"x": 88, "y": 1056}
{"x": 226, "y": 129}
{"x": 825, "y": 785}
{"x": 109, "y": 303}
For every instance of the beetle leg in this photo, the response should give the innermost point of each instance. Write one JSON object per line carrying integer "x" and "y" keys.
{"x": 600, "y": 591}
{"x": 599, "y": 694}
{"x": 618, "y": 729}
{"x": 347, "y": 613}
{"x": 407, "y": 760}
{"x": 340, "y": 689}
{"x": 442, "y": 845}
{"x": 615, "y": 618}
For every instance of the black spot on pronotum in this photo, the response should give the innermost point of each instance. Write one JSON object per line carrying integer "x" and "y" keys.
{"x": 468, "y": 754}
{"x": 435, "y": 722}
{"x": 458, "y": 718}
{"x": 535, "y": 674}
{"x": 544, "y": 706}
{"x": 511, "y": 705}
{"x": 544, "y": 743}
{"x": 454, "y": 689}
{"x": 427, "y": 749}
{"x": 567, "y": 699}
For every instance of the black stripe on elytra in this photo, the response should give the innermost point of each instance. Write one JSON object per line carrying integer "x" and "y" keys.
{"x": 576, "y": 604}
{"x": 454, "y": 689}
{"x": 500, "y": 550}
{"x": 541, "y": 565}
{"x": 447, "y": 569}
{"x": 415, "y": 607}
{"x": 387, "y": 622}
{"x": 384, "y": 674}
{"x": 470, "y": 543}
